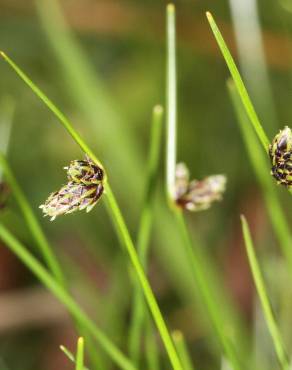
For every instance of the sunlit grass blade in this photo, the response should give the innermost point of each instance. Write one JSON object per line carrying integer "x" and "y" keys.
{"x": 262, "y": 172}
{"x": 262, "y": 292}
{"x": 182, "y": 350}
{"x": 140, "y": 311}
{"x": 80, "y": 354}
{"x": 239, "y": 83}
{"x": 70, "y": 355}
{"x": 49, "y": 281}
{"x": 171, "y": 101}
{"x": 116, "y": 217}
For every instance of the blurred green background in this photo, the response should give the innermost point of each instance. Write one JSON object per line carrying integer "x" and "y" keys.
{"x": 107, "y": 71}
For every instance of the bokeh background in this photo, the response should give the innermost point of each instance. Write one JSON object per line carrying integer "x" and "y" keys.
{"x": 106, "y": 70}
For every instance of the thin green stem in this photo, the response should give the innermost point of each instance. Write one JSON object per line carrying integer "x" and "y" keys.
{"x": 62, "y": 118}
{"x": 32, "y": 222}
{"x": 116, "y": 216}
{"x": 51, "y": 283}
{"x": 182, "y": 350}
{"x": 139, "y": 311}
{"x": 80, "y": 354}
{"x": 124, "y": 235}
{"x": 262, "y": 292}
{"x": 207, "y": 293}
{"x": 171, "y": 102}
{"x": 239, "y": 83}
{"x": 262, "y": 172}
{"x": 70, "y": 355}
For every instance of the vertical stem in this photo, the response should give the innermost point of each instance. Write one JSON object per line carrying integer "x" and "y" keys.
{"x": 139, "y": 310}
{"x": 124, "y": 235}
{"x": 80, "y": 354}
{"x": 171, "y": 102}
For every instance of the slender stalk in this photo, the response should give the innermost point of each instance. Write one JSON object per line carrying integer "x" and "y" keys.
{"x": 80, "y": 354}
{"x": 262, "y": 292}
{"x": 139, "y": 312}
{"x": 51, "y": 283}
{"x": 261, "y": 169}
{"x": 171, "y": 102}
{"x": 207, "y": 293}
{"x": 182, "y": 350}
{"x": 205, "y": 289}
{"x": 124, "y": 235}
{"x": 116, "y": 216}
{"x": 239, "y": 83}
{"x": 70, "y": 356}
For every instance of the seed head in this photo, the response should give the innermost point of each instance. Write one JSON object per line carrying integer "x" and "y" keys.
{"x": 85, "y": 172}
{"x": 280, "y": 152}
{"x": 83, "y": 190}
{"x": 70, "y": 198}
{"x": 197, "y": 195}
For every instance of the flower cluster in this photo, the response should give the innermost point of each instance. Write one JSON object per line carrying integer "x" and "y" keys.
{"x": 83, "y": 190}
{"x": 281, "y": 157}
{"x": 197, "y": 195}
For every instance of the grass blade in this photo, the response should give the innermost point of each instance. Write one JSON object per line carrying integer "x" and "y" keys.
{"x": 182, "y": 350}
{"x": 62, "y": 118}
{"x": 49, "y": 281}
{"x": 261, "y": 289}
{"x": 116, "y": 216}
{"x": 70, "y": 355}
{"x": 239, "y": 83}
{"x": 80, "y": 354}
{"x": 32, "y": 222}
{"x": 140, "y": 312}
{"x": 171, "y": 102}
{"x": 207, "y": 291}
{"x": 262, "y": 172}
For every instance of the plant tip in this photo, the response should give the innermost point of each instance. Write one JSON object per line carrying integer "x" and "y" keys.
{"x": 209, "y": 15}
{"x": 170, "y": 8}
{"x": 80, "y": 340}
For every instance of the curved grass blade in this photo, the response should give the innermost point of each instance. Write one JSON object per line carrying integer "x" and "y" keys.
{"x": 239, "y": 83}
{"x": 49, "y": 281}
{"x": 116, "y": 216}
{"x": 262, "y": 172}
{"x": 262, "y": 292}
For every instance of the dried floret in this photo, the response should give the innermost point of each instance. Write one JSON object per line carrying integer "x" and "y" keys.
{"x": 197, "y": 195}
